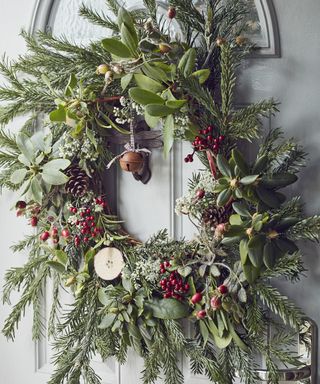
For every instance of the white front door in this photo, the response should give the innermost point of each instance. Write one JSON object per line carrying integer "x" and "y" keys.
{"x": 293, "y": 79}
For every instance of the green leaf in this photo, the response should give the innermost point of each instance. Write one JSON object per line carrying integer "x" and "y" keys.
{"x": 176, "y": 104}
{"x": 260, "y": 165}
{"x": 247, "y": 180}
{"x": 56, "y": 164}
{"x": 268, "y": 197}
{"x": 107, "y": 321}
{"x": 61, "y": 256}
{"x": 214, "y": 270}
{"x": 89, "y": 255}
{"x": 223, "y": 166}
{"x": 72, "y": 83}
{"x": 169, "y": 309}
{"x": 286, "y": 223}
{"x": 144, "y": 97}
{"x": 235, "y": 220}
{"x": 240, "y": 161}
{"x": 56, "y": 266}
{"x": 235, "y": 230}
{"x": 224, "y": 197}
{"x": 168, "y": 135}
{"x": 237, "y": 339}
{"x": 204, "y": 331}
{"x": 125, "y": 80}
{"x": 145, "y": 82}
{"x": 187, "y": 62}
{"x": 251, "y": 273}
{"x": 185, "y": 271}
{"x": 116, "y": 47}
{"x": 152, "y": 121}
{"x": 124, "y": 17}
{"x": 54, "y": 177}
{"x": 279, "y": 180}
{"x": 103, "y": 297}
{"x": 36, "y": 190}
{"x": 18, "y": 176}
{"x": 202, "y": 75}
{"x": 59, "y": 115}
{"x": 26, "y": 147}
{"x": 269, "y": 255}
{"x": 243, "y": 248}
{"x": 286, "y": 245}
{"x": 241, "y": 208}
{"x": 154, "y": 73}
{"x": 158, "y": 110}
{"x": 255, "y": 249}
{"x": 128, "y": 39}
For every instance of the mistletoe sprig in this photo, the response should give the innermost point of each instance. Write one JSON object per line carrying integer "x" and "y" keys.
{"x": 129, "y": 294}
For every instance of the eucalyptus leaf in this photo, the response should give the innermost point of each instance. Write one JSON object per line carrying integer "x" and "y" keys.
{"x": 54, "y": 177}
{"x": 26, "y": 146}
{"x": 107, "y": 321}
{"x": 223, "y": 166}
{"x": 128, "y": 39}
{"x": 145, "y": 82}
{"x": 144, "y": 97}
{"x": 204, "y": 331}
{"x": 202, "y": 75}
{"x": 56, "y": 164}
{"x": 169, "y": 309}
{"x": 116, "y": 47}
{"x": 36, "y": 190}
{"x": 168, "y": 135}
{"x": 125, "y": 80}
{"x": 103, "y": 297}
{"x": 18, "y": 176}
{"x": 56, "y": 266}
{"x": 185, "y": 271}
{"x": 187, "y": 62}
{"x": 247, "y": 180}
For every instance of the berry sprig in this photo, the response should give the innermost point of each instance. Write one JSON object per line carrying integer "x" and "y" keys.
{"x": 204, "y": 141}
{"x": 173, "y": 284}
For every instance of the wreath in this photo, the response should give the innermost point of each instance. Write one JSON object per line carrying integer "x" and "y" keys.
{"x": 82, "y": 101}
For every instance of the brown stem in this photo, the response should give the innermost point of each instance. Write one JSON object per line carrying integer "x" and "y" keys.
{"x": 108, "y": 99}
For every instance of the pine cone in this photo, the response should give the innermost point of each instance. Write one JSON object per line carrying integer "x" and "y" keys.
{"x": 214, "y": 216}
{"x": 78, "y": 182}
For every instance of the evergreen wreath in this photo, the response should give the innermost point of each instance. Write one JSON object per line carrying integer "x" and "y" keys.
{"x": 129, "y": 294}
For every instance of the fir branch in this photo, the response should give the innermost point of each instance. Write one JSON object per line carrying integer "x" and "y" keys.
{"x": 279, "y": 304}
{"x": 228, "y": 79}
{"x": 98, "y": 18}
{"x": 55, "y": 306}
{"x": 246, "y": 122}
{"x": 293, "y": 208}
{"x": 308, "y": 228}
{"x": 255, "y": 318}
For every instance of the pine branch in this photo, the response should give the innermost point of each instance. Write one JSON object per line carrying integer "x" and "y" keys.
{"x": 255, "y": 318}
{"x": 308, "y": 228}
{"x": 55, "y": 306}
{"x": 228, "y": 79}
{"x": 279, "y": 304}
{"x": 96, "y": 18}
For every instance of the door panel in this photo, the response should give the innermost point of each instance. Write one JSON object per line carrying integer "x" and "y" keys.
{"x": 292, "y": 79}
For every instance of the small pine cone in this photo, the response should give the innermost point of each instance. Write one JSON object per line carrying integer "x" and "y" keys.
{"x": 213, "y": 216}
{"x": 78, "y": 182}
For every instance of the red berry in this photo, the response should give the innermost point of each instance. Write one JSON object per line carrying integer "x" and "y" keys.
{"x": 215, "y": 147}
{"x": 186, "y": 159}
{"x": 34, "y": 221}
{"x": 209, "y": 138}
{"x": 215, "y": 302}
{"x": 85, "y": 239}
{"x": 54, "y": 231}
{"x": 167, "y": 264}
{"x": 205, "y": 131}
{"x": 88, "y": 211}
{"x": 223, "y": 289}
{"x": 162, "y": 270}
{"x": 171, "y": 12}
{"x": 200, "y": 193}
{"x": 210, "y": 128}
{"x": 65, "y": 233}
{"x": 187, "y": 287}
{"x": 21, "y": 204}
{"x": 221, "y": 138}
{"x": 167, "y": 295}
{"x": 20, "y": 212}
{"x": 196, "y": 298}
{"x": 190, "y": 158}
{"x": 44, "y": 236}
{"x": 201, "y": 314}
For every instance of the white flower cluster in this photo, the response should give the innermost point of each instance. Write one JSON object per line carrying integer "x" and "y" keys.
{"x": 181, "y": 123}
{"x": 124, "y": 115}
{"x": 189, "y": 204}
{"x": 81, "y": 148}
{"x": 145, "y": 269}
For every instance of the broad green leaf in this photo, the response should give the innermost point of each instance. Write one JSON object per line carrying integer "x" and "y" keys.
{"x": 127, "y": 285}
{"x": 247, "y": 180}
{"x": 91, "y": 137}
{"x": 116, "y": 47}
{"x": 185, "y": 271}
{"x": 204, "y": 331}
{"x": 54, "y": 177}
{"x": 269, "y": 255}
{"x": 235, "y": 220}
{"x": 251, "y": 273}
{"x": 237, "y": 339}
{"x": 241, "y": 208}
{"x": 168, "y": 135}
{"x": 223, "y": 166}
{"x": 24, "y": 160}
{"x": 144, "y": 97}
{"x": 58, "y": 115}
{"x": 124, "y": 17}
{"x": 255, "y": 250}
{"x": 240, "y": 161}
{"x": 202, "y": 75}
{"x": 89, "y": 255}
{"x": 176, "y": 104}
{"x": 107, "y": 321}
{"x": 18, "y": 176}
{"x": 159, "y": 110}
{"x": 154, "y": 73}
{"x": 152, "y": 121}
{"x": 235, "y": 230}
{"x": 72, "y": 83}
{"x": 146, "y": 45}
{"x": 215, "y": 271}
{"x": 167, "y": 308}
{"x": 242, "y": 295}
{"x": 26, "y": 147}
{"x": 145, "y": 82}
{"x": 56, "y": 266}
{"x": 61, "y": 256}
{"x": 36, "y": 190}
{"x": 243, "y": 248}
{"x": 286, "y": 223}
{"x": 128, "y": 39}
{"x": 267, "y": 197}
{"x": 103, "y": 297}
{"x": 187, "y": 62}
{"x": 125, "y": 80}
{"x": 279, "y": 180}
{"x": 286, "y": 245}
{"x": 260, "y": 164}
{"x": 56, "y": 164}
{"x": 224, "y": 197}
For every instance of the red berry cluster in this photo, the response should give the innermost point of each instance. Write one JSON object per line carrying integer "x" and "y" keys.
{"x": 172, "y": 285}
{"x": 54, "y": 234}
{"x": 205, "y": 141}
